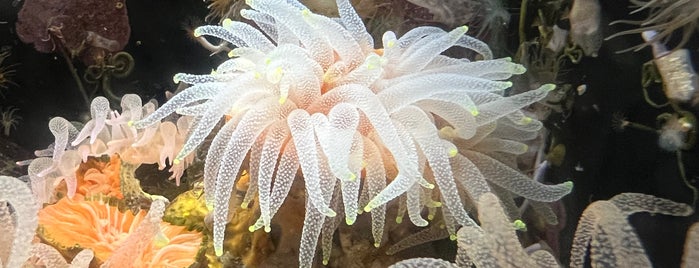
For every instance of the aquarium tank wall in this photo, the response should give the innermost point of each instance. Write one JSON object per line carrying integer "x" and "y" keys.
{"x": 349, "y": 133}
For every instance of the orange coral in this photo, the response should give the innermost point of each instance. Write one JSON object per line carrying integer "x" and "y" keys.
{"x": 103, "y": 228}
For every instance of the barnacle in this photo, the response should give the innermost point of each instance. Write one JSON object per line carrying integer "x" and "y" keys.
{"x": 364, "y": 126}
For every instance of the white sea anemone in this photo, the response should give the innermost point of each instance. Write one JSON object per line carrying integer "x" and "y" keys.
{"x": 368, "y": 124}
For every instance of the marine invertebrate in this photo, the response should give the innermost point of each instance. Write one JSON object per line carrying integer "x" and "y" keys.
{"x": 495, "y": 245}
{"x": 311, "y": 93}
{"x": 222, "y": 9}
{"x": 88, "y": 30}
{"x": 118, "y": 65}
{"x": 691, "y": 247}
{"x": 9, "y": 119}
{"x": 98, "y": 177}
{"x": 107, "y": 133}
{"x": 605, "y": 230}
{"x": 6, "y": 71}
{"x": 585, "y": 28}
{"x": 489, "y": 18}
{"x": 497, "y": 242}
{"x": 119, "y": 238}
{"x": 679, "y": 79}
{"x": 48, "y": 256}
{"x": 17, "y": 224}
{"x": 665, "y": 17}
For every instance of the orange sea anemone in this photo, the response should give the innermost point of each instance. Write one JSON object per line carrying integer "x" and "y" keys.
{"x": 96, "y": 225}
{"x": 96, "y": 176}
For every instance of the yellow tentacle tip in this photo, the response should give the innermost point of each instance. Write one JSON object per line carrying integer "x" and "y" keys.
{"x": 519, "y": 69}
{"x": 399, "y": 219}
{"x": 161, "y": 240}
{"x": 219, "y": 251}
{"x": 548, "y": 87}
{"x": 227, "y": 23}
{"x": 325, "y": 261}
{"x": 197, "y": 32}
{"x": 349, "y": 221}
{"x": 474, "y": 111}
{"x": 251, "y": 228}
{"x": 177, "y": 161}
{"x": 568, "y": 184}
{"x": 453, "y": 152}
{"x": 268, "y": 229}
{"x": 452, "y": 237}
{"x": 352, "y": 177}
{"x": 377, "y": 245}
{"x": 331, "y": 213}
{"x": 282, "y": 100}
{"x": 519, "y": 225}
{"x": 130, "y": 123}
